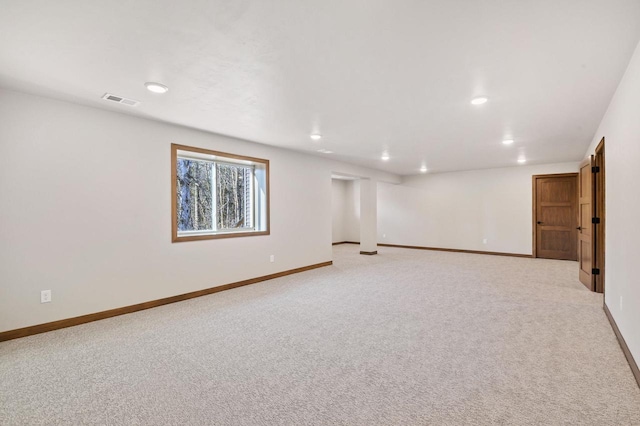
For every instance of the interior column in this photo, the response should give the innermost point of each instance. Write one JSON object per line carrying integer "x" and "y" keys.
{"x": 368, "y": 217}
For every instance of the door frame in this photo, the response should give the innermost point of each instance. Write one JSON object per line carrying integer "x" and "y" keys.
{"x": 587, "y": 276}
{"x": 599, "y": 234}
{"x": 534, "y": 229}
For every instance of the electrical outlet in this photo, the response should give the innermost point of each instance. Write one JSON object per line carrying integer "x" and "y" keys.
{"x": 384, "y": 235}
{"x": 45, "y": 296}
{"x": 620, "y": 302}
{"x": 272, "y": 258}
{"x": 484, "y": 241}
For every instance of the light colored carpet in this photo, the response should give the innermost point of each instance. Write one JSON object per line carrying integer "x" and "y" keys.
{"x": 405, "y": 337}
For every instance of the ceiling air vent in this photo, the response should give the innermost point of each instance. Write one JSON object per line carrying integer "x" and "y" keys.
{"x": 120, "y": 100}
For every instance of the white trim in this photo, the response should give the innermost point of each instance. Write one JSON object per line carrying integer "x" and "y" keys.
{"x": 198, "y": 156}
{"x": 211, "y": 232}
{"x": 255, "y": 218}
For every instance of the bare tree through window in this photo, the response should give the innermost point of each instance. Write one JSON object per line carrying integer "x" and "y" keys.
{"x": 194, "y": 195}
{"x": 198, "y": 192}
{"x": 233, "y": 185}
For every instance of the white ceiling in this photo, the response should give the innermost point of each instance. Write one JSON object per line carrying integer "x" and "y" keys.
{"x": 392, "y": 75}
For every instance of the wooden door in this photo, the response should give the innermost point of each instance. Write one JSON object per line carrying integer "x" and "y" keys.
{"x": 555, "y": 216}
{"x": 586, "y": 247}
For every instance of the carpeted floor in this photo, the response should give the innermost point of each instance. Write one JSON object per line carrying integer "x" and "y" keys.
{"x": 405, "y": 337}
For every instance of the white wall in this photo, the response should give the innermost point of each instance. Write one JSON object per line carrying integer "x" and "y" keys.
{"x": 338, "y": 209}
{"x": 352, "y": 212}
{"x": 621, "y": 129}
{"x": 460, "y": 209}
{"x": 346, "y": 210}
{"x": 86, "y": 212}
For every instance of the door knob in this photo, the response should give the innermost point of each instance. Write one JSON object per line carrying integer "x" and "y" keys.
{"x": 579, "y": 228}
{"x": 539, "y": 223}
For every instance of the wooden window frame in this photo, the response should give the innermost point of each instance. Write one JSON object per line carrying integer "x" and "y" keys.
{"x": 175, "y": 238}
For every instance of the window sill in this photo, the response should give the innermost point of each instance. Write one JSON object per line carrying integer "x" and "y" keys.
{"x": 196, "y": 237}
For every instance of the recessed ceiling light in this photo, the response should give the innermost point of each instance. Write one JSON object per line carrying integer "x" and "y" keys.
{"x": 507, "y": 141}
{"x": 423, "y": 169}
{"x": 385, "y": 156}
{"x": 325, "y": 151}
{"x": 522, "y": 160}
{"x": 479, "y": 100}
{"x": 156, "y": 87}
{"x": 316, "y": 136}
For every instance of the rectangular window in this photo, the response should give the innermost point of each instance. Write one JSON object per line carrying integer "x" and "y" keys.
{"x": 217, "y": 195}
